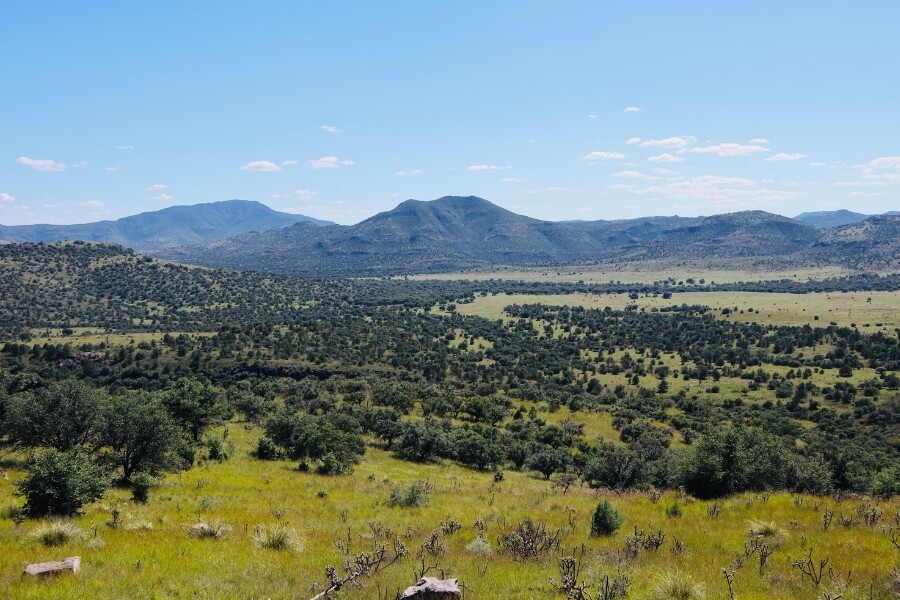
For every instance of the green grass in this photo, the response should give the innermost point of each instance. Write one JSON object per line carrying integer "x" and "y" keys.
{"x": 163, "y": 561}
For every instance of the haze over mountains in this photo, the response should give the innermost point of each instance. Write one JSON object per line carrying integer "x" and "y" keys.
{"x": 460, "y": 233}
{"x": 166, "y": 228}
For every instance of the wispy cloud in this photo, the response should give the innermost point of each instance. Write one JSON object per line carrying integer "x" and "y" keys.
{"x": 633, "y": 140}
{"x": 124, "y": 148}
{"x": 759, "y": 141}
{"x": 7, "y": 198}
{"x": 158, "y": 187}
{"x": 633, "y": 175}
{"x": 408, "y": 173}
{"x": 729, "y": 149}
{"x": 329, "y": 162}
{"x": 289, "y": 163}
{"x": 477, "y": 168}
{"x": 91, "y": 203}
{"x": 41, "y": 164}
{"x": 632, "y": 109}
{"x": 665, "y": 157}
{"x": 112, "y": 168}
{"x": 785, "y": 156}
{"x": 304, "y": 194}
{"x": 329, "y": 128}
{"x": 512, "y": 180}
{"x": 163, "y": 197}
{"x": 676, "y": 142}
{"x": 603, "y": 156}
{"x": 886, "y": 162}
{"x": 719, "y": 191}
{"x": 261, "y": 166}
{"x": 592, "y": 117}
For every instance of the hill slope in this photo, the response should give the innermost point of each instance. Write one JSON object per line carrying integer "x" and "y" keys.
{"x": 827, "y": 219}
{"x": 169, "y": 227}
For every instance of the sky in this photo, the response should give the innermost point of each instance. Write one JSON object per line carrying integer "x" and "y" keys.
{"x": 558, "y": 110}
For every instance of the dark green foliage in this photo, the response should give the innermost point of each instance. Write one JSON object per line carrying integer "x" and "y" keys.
{"x": 310, "y": 437}
{"x": 138, "y": 434}
{"x": 63, "y": 415}
{"x": 195, "y": 406}
{"x": 606, "y": 519}
{"x": 416, "y": 494}
{"x": 886, "y": 483}
{"x": 266, "y": 449}
{"x": 60, "y": 483}
{"x": 216, "y": 449}
{"x": 424, "y": 441}
{"x": 547, "y": 460}
{"x": 141, "y": 484}
{"x": 673, "y": 510}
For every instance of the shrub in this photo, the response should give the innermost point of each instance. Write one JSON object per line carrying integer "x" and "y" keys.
{"x": 60, "y": 483}
{"x": 674, "y": 510}
{"x": 479, "y": 547}
{"x": 530, "y": 540}
{"x": 606, "y": 519}
{"x": 140, "y": 486}
{"x": 886, "y": 483}
{"x": 417, "y": 493}
{"x": 330, "y": 465}
{"x": 266, "y": 449}
{"x": 57, "y": 533}
{"x": 276, "y": 537}
{"x": 216, "y": 449}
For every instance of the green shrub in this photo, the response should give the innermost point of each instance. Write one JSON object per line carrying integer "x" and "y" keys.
{"x": 140, "y": 486}
{"x": 674, "y": 510}
{"x": 416, "y": 493}
{"x": 60, "y": 483}
{"x": 217, "y": 449}
{"x": 266, "y": 449}
{"x": 886, "y": 483}
{"x": 606, "y": 519}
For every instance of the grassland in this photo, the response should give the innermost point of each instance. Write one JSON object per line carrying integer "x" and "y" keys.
{"x": 150, "y": 555}
{"x": 870, "y": 311}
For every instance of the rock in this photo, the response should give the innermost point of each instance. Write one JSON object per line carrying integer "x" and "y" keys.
{"x": 431, "y": 588}
{"x": 73, "y": 563}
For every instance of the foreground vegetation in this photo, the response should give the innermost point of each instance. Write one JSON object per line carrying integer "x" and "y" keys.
{"x": 253, "y": 430}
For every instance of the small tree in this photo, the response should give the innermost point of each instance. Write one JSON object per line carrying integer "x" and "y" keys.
{"x": 60, "y": 483}
{"x": 195, "y": 406}
{"x": 139, "y": 435}
{"x": 606, "y": 519}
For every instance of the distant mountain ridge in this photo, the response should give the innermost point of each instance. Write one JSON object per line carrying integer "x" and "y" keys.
{"x": 457, "y": 233}
{"x": 167, "y": 228}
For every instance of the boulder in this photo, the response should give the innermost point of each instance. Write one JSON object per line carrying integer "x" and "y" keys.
{"x": 431, "y": 588}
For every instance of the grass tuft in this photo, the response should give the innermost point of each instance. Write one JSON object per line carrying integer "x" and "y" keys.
{"x": 57, "y": 533}
{"x": 277, "y": 537}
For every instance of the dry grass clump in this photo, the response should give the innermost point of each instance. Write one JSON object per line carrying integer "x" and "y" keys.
{"x": 277, "y": 537}
{"x": 678, "y": 586}
{"x": 768, "y": 531}
{"x": 57, "y": 533}
{"x": 214, "y": 530}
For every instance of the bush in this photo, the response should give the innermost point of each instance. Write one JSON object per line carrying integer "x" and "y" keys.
{"x": 530, "y": 540}
{"x": 276, "y": 537}
{"x": 606, "y": 519}
{"x": 417, "y": 493}
{"x": 140, "y": 486}
{"x": 479, "y": 547}
{"x": 60, "y": 483}
{"x": 266, "y": 449}
{"x": 57, "y": 533}
{"x": 674, "y": 510}
{"x": 886, "y": 483}
{"x": 217, "y": 449}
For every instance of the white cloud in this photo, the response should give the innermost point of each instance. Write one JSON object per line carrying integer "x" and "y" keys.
{"x": 859, "y": 183}
{"x": 262, "y": 166}
{"x": 619, "y": 186}
{"x": 304, "y": 194}
{"x": 6, "y": 198}
{"x": 633, "y": 175}
{"x": 665, "y": 157}
{"x": 329, "y": 162}
{"x": 603, "y": 156}
{"x": 868, "y": 193}
{"x": 632, "y": 109}
{"x": 408, "y": 173}
{"x": 886, "y": 162}
{"x": 785, "y": 156}
{"x": 592, "y": 116}
{"x": 158, "y": 187}
{"x": 672, "y": 143}
{"x": 112, "y": 168}
{"x": 660, "y": 171}
{"x": 91, "y": 203}
{"x": 289, "y": 163}
{"x": 633, "y": 140}
{"x": 512, "y": 180}
{"x": 124, "y": 148}
{"x": 329, "y": 129}
{"x": 163, "y": 197}
{"x": 718, "y": 191}
{"x": 729, "y": 149}
{"x": 41, "y": 164}
{"x": 759, "y": 141}
{"x": 818, "y": 164}
{"x": 477, "y": 168}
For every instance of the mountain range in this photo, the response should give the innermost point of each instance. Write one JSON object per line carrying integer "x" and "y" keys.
{"x": 460, "y": 233}
{"x": 166, "y": 228}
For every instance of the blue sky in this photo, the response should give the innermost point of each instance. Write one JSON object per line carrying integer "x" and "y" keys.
{"x": 557, "y": 110}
